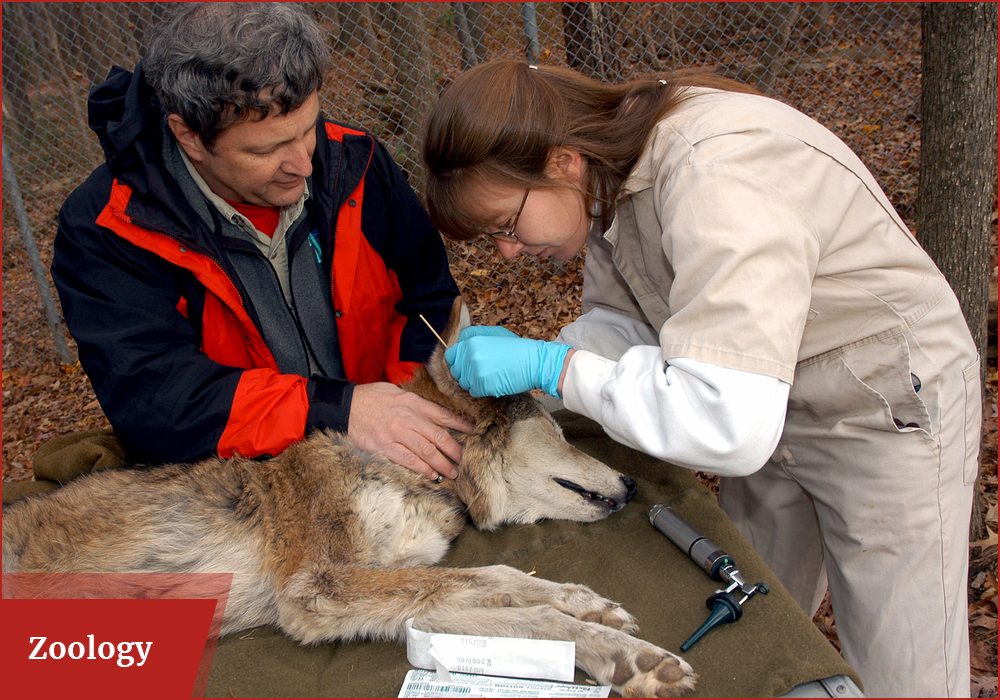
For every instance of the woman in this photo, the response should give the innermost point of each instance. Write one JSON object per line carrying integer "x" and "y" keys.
{"x": 753, "y": 307}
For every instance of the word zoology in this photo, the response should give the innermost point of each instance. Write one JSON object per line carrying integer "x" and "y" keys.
{"x": 42, "y": 649}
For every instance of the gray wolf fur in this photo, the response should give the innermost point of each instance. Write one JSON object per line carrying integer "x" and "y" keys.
{"x": 328, "y": 542}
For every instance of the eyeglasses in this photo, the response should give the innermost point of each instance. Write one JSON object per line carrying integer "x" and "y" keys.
{"x": 509, "y": 234}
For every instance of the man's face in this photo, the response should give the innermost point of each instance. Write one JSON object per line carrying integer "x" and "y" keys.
{"x": 263, "y": 162}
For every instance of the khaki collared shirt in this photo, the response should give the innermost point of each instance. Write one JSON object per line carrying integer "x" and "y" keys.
{"x": 751, "y": 237}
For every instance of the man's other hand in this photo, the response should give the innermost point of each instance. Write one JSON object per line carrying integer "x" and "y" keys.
{"x": 406, "y": 428}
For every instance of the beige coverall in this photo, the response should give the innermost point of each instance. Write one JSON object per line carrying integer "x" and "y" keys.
{"x": 752, "y": 238}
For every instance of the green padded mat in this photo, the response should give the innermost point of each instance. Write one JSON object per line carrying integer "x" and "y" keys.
{"x": 771, "y": 649}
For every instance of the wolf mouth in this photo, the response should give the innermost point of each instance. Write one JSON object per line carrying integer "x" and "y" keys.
{"x": 613, "y": 504}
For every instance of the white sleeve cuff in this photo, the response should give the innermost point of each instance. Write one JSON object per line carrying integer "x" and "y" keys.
{"x": 689, "y": 412}
{"x": 586, "y": 374}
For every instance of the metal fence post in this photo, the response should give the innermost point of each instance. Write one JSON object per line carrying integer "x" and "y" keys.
{"x": 530, "y": 31}
{"x": 52, "y": 317}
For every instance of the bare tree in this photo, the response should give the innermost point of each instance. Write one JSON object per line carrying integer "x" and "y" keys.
{"x": 403, "y": 23}
{"x": 96, "y": 41}
{"x": 354, "y": 27}
{"x": 471, "y": 37}
{"x": 57, "y": 45}
{"x": 958, "y": 170}
{"x": 142, "y": 18}
{"x": 784, "y": 17}
{"x": 347, "y": 17}
{"x": 607, "y": 22}
{"x": 593, "y": 38}
{"x": 18, "y": 50}
{"x": 656, "y": 26}
{"x": 578, "y": 36}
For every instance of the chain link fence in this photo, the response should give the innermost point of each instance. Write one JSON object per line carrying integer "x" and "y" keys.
{"x": 853, "y": 66}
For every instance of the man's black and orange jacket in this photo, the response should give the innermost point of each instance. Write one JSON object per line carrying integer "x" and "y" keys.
{"x": 168, "y": 334}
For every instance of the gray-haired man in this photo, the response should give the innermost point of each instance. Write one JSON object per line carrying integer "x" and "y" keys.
{"x": 242, "y": 270}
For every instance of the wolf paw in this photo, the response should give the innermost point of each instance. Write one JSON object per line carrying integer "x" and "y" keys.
{"x": 652, "y": 673}
{"x": 612, "y": 615}
{"x": 584, "y": 604}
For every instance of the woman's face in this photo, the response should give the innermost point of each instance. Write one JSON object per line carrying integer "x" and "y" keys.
{"x": 553, "y": 222}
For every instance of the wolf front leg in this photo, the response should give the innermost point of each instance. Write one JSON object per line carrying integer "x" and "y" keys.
{"x": 326, "y": 603}
{"x": 349, "y": 599}
{"x": 505, "y": 587}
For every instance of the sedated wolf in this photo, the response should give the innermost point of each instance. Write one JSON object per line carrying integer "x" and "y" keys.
{"x": 328, "y": 542}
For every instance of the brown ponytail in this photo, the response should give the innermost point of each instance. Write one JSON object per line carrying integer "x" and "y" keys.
{"x": 499, "y": 121}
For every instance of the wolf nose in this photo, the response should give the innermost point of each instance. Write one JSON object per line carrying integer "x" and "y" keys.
{"x": 630, "y": 488}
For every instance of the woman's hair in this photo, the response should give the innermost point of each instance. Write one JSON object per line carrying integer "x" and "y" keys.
{"x": 219, "y": 63}
{"x": 499, "y": 121}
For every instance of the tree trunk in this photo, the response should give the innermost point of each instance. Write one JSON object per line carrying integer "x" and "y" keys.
{"x": 608, "y": 22}
{"x": 143, "y": 17}
{"x": 781, "y": 17}
{"x": 380, "y": 71}
{"x": 471, "y": 36}
{"x": 349, "y": 20}
{"x": 652, "y": 25}
{"x": 18, "y": 57}
{"x": 403, "y": 22}
{"x": 59, "y": 67}
{"x": 96, "y": 41}
{"x": 958, "y": 171}
{"x": 578, "y": 36}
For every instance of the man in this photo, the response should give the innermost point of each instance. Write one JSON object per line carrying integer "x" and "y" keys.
{"x": 242, "y": 271}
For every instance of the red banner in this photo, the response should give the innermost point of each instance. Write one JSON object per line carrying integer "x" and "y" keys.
{"x": 110, "y": 635}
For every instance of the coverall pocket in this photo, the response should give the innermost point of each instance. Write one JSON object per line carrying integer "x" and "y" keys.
{"x": 881, "y": 366}
{"x": 973, "y": 420}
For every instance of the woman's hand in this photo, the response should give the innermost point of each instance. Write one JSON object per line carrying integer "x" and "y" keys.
{"x": 493, "y": 361}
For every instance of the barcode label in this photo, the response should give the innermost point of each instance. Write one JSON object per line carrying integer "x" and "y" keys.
{"x": 420, "y": 683}
{"x": 436, "y": 688}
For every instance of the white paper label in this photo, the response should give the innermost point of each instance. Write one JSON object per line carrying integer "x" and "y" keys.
{"x": 491, "y": 656}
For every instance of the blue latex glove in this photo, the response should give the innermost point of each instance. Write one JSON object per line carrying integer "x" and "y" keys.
{"x": 496, "y": 331}
{"x": 493, "y": 361}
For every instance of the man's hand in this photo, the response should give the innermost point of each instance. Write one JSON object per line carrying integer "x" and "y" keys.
{"x": 406, "y": 428}
{"x": 493, "y": 361}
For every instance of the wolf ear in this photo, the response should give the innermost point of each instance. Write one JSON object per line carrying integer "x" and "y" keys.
{"x": 434, "y": 381}
{"x": 458, "y": 319}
